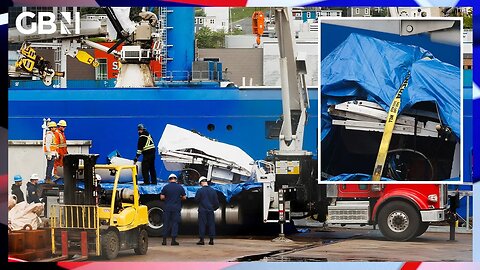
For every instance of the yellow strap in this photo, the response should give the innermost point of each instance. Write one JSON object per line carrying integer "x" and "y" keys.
{"x": 387, "y": 132}
{"x": 86, "y": 58}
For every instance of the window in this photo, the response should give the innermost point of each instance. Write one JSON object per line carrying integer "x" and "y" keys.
{"x": 101, "y": 72}
{"x": 328, "y": 13}
{"x": 339, "y": 14}
{"x": 200, "y": 21}
{"x": 309, "y": 15}
{"x": 212, "y": 21}
{"x": 367, "y": 11}
{"x": 223, "y": 23}
{"x": 357, "y": 11}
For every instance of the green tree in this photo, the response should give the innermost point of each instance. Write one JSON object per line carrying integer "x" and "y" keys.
{"x": 200, "y": 12}
{"x": 206, "y": 38}
{"x": 467, "y": 22}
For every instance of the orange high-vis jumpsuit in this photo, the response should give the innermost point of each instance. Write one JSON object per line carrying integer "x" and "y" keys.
{"x": 61, "y": 149}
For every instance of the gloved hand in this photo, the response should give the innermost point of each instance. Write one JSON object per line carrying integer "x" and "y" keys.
{"x": 135, "y": 161}
{"x": 55, "y": 154}
{"x": 49, "y": 156}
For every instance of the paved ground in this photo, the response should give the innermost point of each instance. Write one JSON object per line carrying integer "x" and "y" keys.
{"x": 339, "y": 244}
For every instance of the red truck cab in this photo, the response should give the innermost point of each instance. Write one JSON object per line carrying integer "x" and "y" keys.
{"x": 402, "y": 211}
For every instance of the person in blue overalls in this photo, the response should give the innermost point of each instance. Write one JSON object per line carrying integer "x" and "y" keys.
{"x": 173, "y": 194}
{"x": 207, "y": 200}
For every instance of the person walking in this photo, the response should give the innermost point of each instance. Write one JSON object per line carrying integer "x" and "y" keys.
{"x": 61, "y": 147}
{"x": 16, "y": 188}
{"x": 32, "y": 189}
{"x": 146, "y": 147}
{"x": 173, "y": 194}
{"x": 50, "y": 149}
{"x": 207, "y": 200}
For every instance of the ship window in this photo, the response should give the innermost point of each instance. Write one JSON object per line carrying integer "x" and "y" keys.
{"x": 211, "y": 127}
{"x": 229, "y": 127}
{"x": 101, "y": 72}
{"x": 357, "y": 11}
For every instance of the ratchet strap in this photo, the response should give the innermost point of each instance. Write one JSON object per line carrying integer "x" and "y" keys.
{"x": 388, "y": 131}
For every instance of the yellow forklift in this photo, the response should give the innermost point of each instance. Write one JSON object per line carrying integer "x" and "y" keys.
{"x": 92, "y": 221}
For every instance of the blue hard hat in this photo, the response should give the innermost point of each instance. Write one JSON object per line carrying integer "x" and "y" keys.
{"x": 17, "y": 178}
{"x": 140, "y": 127}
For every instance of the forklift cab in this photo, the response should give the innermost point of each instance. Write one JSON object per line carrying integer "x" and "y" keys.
{"x": 113, "y": 217}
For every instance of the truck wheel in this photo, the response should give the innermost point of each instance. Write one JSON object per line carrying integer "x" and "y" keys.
{"x": 110, "y": 245}
{"x": 422, "y": 228}
{"x": 399, "y": 221}
{"x": 155, "y": 218}
{"x": 142, "y": 246}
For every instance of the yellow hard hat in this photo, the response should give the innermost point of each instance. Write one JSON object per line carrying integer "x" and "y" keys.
{"x": 62, "y": 123}
{"x": 52, "y": 124}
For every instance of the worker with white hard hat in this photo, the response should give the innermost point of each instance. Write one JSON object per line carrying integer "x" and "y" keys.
{"x": 62, "y": 145}
{"x": 16, "y": 188}
{"x": 172, "y": 194}
{"x": 32, "y": 189}
{"x": 50, "y": 144}
{"x": 207, "y": 200}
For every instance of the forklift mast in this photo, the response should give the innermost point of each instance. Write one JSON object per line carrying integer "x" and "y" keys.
{"x": 76, "y": 167}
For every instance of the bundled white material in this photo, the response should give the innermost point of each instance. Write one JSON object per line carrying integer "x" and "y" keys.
{"x": 25, "y": 214}
{"x": 179, "y": 146}
{"x": 12, "y": 201}
{"x": 125, "y": 175}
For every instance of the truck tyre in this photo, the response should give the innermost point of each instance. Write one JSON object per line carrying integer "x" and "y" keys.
{"x": 155, "y": 218}
{"x": 142, "y": 245}
{"x": 110, "y": 245}
{"x": 422, "y": 228}
{"x": 399, "y": 221}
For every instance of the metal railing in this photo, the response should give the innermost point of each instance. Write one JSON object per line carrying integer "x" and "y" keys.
{"x": 81, "y": 217}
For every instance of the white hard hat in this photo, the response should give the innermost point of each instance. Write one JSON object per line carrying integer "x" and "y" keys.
{"x": 34, "y": 177}
{"x": 172, "y": 176}
{"x": 98, "y": 177}
{"x": 202, "y": 179}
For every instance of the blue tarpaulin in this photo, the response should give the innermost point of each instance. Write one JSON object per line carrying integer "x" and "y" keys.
{"x": 367, "y": 68}
{"x": 228, "y": 190}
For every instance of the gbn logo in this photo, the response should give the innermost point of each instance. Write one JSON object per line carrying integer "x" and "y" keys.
{"x": 46, "y": 23}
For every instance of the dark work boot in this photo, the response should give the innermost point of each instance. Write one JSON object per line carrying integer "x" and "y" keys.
{"x": 201, "y": 242}
{"x": 211, "y": 241}
{"x": 174, "y": 243}
{"x": 164, "y": 243}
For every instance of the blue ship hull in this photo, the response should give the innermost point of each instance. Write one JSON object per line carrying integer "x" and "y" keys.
{"x": 109, "y": 117}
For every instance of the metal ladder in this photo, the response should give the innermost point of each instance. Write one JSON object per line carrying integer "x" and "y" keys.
{"x": 163, "y": 11}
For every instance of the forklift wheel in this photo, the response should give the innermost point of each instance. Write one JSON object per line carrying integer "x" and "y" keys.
{"x": 142, "y": 243}
{"x": 110, "y": 245}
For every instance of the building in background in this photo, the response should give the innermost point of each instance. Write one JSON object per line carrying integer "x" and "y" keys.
{"x": 359, "y": 12}
{"x": 216, "y": 18}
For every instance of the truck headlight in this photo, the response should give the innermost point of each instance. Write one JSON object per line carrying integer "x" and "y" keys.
{"x": 433, "y": 198}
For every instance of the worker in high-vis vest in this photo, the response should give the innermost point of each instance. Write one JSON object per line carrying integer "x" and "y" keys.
{"x": 50, "y": 149}
{"x": 61, "y": 147}
{"x": 146, "y": 147}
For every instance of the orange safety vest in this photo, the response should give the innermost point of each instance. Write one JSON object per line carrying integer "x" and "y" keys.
{"x": 53, "y": 143}
{"x": 62, "y": 142}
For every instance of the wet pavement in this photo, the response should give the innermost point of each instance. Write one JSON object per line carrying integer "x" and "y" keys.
{"x": 335, "y": 244}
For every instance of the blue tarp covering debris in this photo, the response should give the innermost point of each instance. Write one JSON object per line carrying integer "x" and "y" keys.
{"x": 366, "y": 68}
{"x": 371, "y": 69}
{"x": 228, "y": 190}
